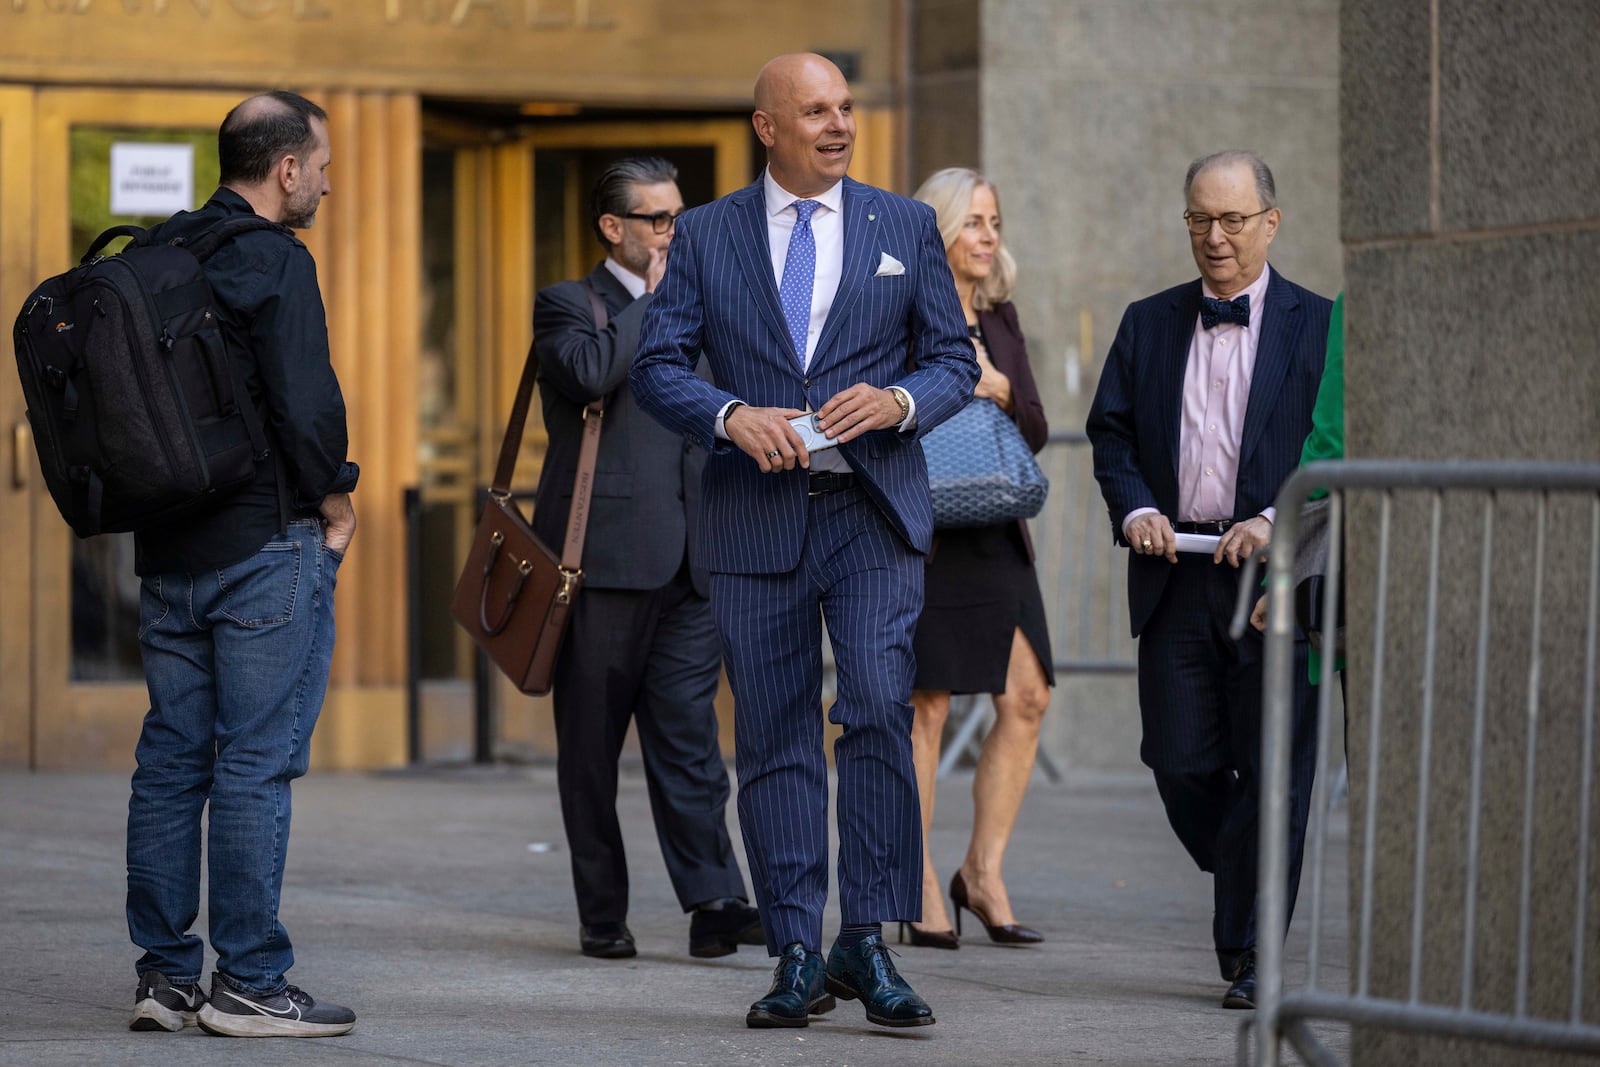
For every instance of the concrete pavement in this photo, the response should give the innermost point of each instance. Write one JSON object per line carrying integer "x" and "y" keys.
{"x": 437, "y": 904}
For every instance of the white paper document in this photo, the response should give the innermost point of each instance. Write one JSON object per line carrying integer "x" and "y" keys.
{"x": 1206, "y": 543}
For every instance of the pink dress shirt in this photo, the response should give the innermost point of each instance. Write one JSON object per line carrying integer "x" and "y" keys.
{"x": 1216, "y": 392}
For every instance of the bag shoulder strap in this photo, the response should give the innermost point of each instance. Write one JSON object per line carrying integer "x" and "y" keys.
{"x": 588, "y": 452}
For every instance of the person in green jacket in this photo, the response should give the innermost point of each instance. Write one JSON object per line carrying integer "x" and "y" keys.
{"x": 1326, "y": 441}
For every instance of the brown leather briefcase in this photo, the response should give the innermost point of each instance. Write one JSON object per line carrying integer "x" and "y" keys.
{"x": 515, "y": 595}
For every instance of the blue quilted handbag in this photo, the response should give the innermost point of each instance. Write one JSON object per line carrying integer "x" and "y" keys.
{"x": 980, "y": 470}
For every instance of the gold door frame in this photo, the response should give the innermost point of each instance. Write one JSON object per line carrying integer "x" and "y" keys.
{"x": 81, "y": 725}
{"x": 20, "y": 481}
{"x": 494, "y": 289}
{"x": 365, "y": 246}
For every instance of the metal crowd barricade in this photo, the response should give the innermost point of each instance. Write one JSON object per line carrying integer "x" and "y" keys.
{"x": 1079, "y": 561}
{"x": 1082, "y": 575}
{"x": 1285, "y": 1015}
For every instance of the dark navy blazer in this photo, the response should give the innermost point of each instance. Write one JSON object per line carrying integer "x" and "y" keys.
{"x": 1134, "y": 423}
{"x": 719, "y": 297}
{"x": 646, "y": 480}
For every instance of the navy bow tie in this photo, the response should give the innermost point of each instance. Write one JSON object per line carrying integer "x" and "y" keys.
{"x": 1213, "y": 311}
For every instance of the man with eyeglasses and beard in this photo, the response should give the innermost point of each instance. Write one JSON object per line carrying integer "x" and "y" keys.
{"x": 641, "y": 643}
{"x": 1202, "y": 407}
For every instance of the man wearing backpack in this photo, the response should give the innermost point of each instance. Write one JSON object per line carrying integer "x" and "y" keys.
{"x": 236, "y": 615}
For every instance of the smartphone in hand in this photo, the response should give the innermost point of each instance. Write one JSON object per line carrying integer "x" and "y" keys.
{"x": 812, "y": 437}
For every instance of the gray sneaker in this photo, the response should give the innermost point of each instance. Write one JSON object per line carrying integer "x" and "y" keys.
{"x": 291, "y": 1013}
{"x": 160, "y": 1005}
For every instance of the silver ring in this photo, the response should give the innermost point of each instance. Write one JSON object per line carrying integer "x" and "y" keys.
{"x": 774, "y": 454}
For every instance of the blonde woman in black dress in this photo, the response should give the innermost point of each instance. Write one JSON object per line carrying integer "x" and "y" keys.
{"x": 982, "y": 629}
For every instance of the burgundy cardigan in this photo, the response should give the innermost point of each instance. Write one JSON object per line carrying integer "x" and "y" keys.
{"x": 1002, "y": 336}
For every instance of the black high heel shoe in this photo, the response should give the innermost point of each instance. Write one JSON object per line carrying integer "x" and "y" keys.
{"x": 1010, "y": 934}
{"x": 909, "y": 934}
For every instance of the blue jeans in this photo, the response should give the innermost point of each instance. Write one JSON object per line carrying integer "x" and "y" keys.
{"x": 236, "y": 661}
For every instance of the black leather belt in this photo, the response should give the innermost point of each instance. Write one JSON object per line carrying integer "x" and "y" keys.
{"x": 1218, "y": 526}
{"x": 821, "y": 483}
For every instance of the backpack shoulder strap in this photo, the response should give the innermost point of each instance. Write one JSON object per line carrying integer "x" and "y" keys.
{"x": 203, "y": 245}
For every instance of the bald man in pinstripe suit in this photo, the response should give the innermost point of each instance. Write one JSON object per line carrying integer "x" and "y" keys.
{"x": 812, "y": 294}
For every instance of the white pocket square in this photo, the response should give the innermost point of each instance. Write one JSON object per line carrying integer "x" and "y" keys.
{"x": 888, "y": 265}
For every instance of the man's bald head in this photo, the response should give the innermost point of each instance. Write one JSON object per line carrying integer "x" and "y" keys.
{"x": 806, "y": 118}
{"x": 782, "y": 75}
{"x": 262, "y": 130}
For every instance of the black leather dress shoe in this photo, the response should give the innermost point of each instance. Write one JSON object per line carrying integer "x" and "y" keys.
{"x": 607, "y": 941}
{"x": 721, "y": 930}
{"x": 797, "y": 992}
{"x": 866, "y": 973}
{"x": 1242, "y": 988}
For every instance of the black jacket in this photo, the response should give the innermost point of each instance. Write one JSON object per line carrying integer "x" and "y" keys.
{"x": 265, "y": 285}
{"x": 647, "y": 480}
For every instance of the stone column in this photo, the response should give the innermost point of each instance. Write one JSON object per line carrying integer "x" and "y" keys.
{"x": 944, "y": 89}
{"x": 1471, "y": 227}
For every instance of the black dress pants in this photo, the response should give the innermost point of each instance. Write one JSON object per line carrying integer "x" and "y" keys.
{"x": 1200, "y": 703}
{"x": 651, "y": 657}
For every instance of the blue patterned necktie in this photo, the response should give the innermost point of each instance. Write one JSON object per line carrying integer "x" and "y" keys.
{"x": 799, "y": 272}
{"x": 1213, "y": 311}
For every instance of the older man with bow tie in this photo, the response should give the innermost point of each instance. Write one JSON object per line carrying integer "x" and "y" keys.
{"x": 1201, "y": 409}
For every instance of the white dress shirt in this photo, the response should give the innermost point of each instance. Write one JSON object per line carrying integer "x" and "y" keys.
{"x": 630, "y": 281}
{"x": 827, "y": 227}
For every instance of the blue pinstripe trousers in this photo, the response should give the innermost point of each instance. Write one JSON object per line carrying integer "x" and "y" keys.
{"x": 856, "y": 573}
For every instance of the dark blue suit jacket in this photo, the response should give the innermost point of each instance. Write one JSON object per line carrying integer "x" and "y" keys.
{"x": 719, "y": 297}
{"x": 1134, "y": 423}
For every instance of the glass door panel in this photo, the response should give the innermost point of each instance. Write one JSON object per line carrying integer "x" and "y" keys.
{"x": 105, "y": 591}
{"x": 565, "y": 245}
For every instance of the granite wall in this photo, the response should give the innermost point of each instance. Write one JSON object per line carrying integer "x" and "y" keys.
{"x": 1470, "y": 163}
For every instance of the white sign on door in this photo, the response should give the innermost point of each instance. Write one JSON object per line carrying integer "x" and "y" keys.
{"x": 151, "y": 179}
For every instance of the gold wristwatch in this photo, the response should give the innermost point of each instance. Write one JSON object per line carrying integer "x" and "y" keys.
{"x": 902, "y": 398}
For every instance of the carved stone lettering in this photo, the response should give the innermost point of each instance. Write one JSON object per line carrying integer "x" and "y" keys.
{"x": 537, "y": 15}
{"x": 588, "y": 20}
{"x": 395, "y": 10}
{"x": 156, "y": 7}
{"x": 464, "y": 8}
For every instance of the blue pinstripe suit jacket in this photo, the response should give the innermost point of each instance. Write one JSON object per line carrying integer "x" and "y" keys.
{"x": 719, "y": 297}
{"x": 1134, "y": 423}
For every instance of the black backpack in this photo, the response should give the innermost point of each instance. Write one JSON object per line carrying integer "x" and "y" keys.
{"x": 139, "y": 413}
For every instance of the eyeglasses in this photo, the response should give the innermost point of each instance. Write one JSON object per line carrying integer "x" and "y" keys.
{"x": 660, "y": 222}
{"x": 1232, "y": 222}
